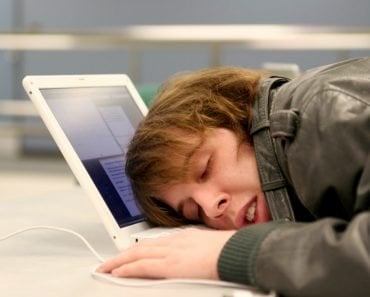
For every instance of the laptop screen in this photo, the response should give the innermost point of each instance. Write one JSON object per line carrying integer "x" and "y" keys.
{"x": 99, "y": 123}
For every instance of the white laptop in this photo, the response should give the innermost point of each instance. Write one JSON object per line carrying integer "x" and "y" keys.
{"x": 92, "y": 119}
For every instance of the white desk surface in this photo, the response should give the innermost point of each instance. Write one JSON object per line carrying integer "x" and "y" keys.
{"x": 52, "y": 263}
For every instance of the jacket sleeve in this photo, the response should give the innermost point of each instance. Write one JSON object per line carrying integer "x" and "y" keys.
{"x": 329, "y": 257}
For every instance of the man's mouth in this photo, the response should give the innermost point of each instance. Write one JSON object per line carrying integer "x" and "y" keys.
{"x": 251, "y": 212}
{"x": 248, "y": 214}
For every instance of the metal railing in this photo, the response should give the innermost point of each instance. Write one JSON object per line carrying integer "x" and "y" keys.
{"x": 214, "y": 37}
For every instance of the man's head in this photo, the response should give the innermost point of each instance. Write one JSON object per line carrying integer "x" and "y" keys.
{"x": 186, "y": 107}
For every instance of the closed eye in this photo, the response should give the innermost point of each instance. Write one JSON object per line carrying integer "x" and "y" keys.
{"x": 207, "y": 169}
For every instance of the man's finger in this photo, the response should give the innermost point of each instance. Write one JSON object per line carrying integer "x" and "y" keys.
{"x": 133, "y": 254}
{"x": 144, "y": 268}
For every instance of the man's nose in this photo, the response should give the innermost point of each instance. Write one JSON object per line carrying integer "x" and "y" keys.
{"x": 213, "y": 205}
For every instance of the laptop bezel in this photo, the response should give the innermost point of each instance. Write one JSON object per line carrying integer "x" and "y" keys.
{"x": 121, "y": 236}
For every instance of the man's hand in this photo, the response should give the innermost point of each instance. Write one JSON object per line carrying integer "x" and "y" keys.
{"x": 191, "y": 253}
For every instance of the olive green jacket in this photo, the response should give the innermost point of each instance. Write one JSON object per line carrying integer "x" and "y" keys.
{"x": 312, "y": 143}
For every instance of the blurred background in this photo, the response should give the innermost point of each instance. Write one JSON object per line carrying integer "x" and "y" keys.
{"x": 29, "y": 159}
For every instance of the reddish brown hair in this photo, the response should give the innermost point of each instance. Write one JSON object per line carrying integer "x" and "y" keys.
{"x": 186, "y": 106}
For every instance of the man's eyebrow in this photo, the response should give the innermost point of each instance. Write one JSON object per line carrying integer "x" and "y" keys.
{"x": 190, "y": 155}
